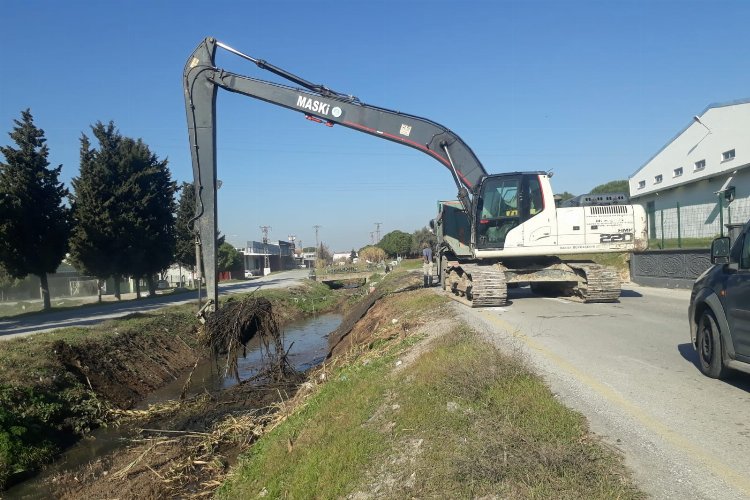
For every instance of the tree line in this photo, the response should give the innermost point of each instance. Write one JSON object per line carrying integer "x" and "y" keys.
{"x": 120, "y": 219}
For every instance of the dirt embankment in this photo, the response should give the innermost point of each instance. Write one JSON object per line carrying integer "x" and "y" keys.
{"x": 73, "y": 380}
{"x": 130, "y": 367}
{"x": 186, "y": 448}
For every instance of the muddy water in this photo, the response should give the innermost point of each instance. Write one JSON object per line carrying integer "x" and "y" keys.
{"x": 306, "y": 342}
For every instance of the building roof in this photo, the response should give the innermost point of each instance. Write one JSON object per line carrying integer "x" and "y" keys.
{"x": 690, "y": 123}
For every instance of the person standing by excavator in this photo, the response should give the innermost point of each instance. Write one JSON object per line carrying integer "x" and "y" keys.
{"x": 427, "y": 264}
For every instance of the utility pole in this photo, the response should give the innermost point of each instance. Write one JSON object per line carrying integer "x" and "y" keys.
{"x": 372, "y": 237}
{"x": 317, "y": 240}
{"x": 377, "y": 232}
{"x": 266, "y": 260}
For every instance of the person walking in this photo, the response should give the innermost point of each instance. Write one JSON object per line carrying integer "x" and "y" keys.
{"x": 427, "y": 264}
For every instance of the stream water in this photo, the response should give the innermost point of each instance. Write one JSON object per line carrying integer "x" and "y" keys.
{"x": 306, "y": 342}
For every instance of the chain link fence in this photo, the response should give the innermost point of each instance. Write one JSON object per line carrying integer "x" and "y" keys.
{"x": 693, "y": 226}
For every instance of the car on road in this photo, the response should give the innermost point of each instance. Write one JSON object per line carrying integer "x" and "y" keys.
{"x": 719, "y": 311}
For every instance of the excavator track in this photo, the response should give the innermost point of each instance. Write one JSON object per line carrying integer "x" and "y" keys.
{"x": 484, "y": 286}
{"x": 602, "y": 283}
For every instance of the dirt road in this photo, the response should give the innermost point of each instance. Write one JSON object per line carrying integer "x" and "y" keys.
{"x": 26, "y": 325}
{"x": 630, "y": 369}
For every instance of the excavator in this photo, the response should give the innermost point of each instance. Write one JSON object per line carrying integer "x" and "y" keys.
{"x": 503, "y": 229}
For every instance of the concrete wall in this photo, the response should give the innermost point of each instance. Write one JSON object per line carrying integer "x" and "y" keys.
{"x": 669, "y": 268}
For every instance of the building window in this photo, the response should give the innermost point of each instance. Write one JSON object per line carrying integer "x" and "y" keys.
{"x": 658, "y": 179}
{"x": 677, "y": 172}
{"x": 699, "y": 165}
{"x": 727, "y": 155}
{"x": 641, "y": 184}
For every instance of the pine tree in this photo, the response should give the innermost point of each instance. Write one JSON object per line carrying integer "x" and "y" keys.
{"x": 34, "y": 221}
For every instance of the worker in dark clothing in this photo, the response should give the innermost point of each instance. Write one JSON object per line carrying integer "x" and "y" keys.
{"x": 427, "y": 264}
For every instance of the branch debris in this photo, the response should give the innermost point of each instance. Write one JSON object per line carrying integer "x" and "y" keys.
{"x": 228, "y": 331}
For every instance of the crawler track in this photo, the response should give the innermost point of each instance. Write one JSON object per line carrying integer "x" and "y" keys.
{"x": 602, "y": 284}
{"x": 485, "y": 287}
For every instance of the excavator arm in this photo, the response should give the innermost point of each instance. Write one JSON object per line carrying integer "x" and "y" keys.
{"x": 202, "y": 79}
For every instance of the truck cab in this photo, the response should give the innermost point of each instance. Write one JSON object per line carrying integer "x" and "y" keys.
{"x": 719, "y": 311}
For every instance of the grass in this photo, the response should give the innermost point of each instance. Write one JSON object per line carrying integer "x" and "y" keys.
{"x": 671, "y": 243}
{"x": 35, "y": 352}
{"x": 491, "y": 427}
{"x": 329, "y": 446}
{"x": 34, "y": 307}
{"x": 462, "y": 421}
{"x": 43, "y": 407}
{"x": 410, "y": 264}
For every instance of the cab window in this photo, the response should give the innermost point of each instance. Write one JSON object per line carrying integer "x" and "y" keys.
{"x": 536, "y": 202}
{"x": 501, "y": 199}
{"x": 499, "y": 211}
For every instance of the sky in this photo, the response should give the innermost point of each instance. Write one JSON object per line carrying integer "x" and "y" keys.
{"x": 587, "y": 89}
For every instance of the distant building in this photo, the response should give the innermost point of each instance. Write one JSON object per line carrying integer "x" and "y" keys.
{"x": 341, "y": 255}
{"x": 701, "y": 177}
{"x": 280, "y": 256}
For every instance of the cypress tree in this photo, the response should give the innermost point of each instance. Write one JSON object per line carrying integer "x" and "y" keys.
{"x": 124, "y": 209}
{"x": 34, "y": 221}
{"x": 185, "y": 248}
{"x": 148, "y": 210}
{"x": 95, "y": 241}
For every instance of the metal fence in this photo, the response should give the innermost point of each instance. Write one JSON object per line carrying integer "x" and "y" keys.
{"x": 692, "y": 226}
{"x": 60, "y": 286}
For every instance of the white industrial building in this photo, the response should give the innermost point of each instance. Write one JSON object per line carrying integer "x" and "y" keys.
{"x": 700, "y": 180}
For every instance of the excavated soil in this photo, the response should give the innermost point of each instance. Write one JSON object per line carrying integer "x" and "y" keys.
{"x": 186, "y": 449}
{"x": 128, "y": 369}
{"x": 182, "y": 453}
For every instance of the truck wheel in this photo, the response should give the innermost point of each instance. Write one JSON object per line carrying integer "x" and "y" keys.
{"x": 710, "y": 359}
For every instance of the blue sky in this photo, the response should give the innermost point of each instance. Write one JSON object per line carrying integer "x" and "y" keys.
{"x": 589, "y": 89}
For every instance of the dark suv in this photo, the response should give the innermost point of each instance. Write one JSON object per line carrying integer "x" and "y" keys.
{"x": 719, "y": 310}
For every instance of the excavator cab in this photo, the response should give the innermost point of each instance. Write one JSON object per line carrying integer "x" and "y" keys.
{"x": 504, "y": 202}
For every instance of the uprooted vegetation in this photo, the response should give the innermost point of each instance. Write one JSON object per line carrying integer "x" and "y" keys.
{"x": 186, "y": 448}
{"x": 228, "y": 331}
{"x": 57, "y": 386}
{"x": 409, "y": 403}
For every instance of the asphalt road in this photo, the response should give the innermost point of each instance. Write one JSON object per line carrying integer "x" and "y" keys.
{"x": 89, "y": 315}
{"x": 630, "y": 369}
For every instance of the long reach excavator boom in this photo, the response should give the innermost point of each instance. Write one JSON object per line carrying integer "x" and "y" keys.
{"x": 505, "y": 229}
{"x": 201, "y": 79}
